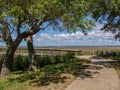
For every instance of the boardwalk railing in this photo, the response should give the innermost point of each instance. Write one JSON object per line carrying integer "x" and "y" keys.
{"x": 60, "y": 51}
{"x": 50, "y": 51}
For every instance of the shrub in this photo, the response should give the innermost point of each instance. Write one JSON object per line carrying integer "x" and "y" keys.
{"x": 70, "y": 55}
{"x": 110, "y": 54}
{"x": 100, "y": 53}
{"x": 20, "y": 63}
{"x": 79, "y": 53}
{"x": 58, "y": 59}
{"x": 47, "y": 60}
{"x": 42, "y": 61}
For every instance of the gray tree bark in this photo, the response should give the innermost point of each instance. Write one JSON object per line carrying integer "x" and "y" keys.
{"x": 31, "y": 53}
{"x": 8, "y": 62}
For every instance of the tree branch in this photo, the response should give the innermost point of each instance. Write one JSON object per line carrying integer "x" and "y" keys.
{"x": 6, "y": 35}
{"x": 31, "y": 32}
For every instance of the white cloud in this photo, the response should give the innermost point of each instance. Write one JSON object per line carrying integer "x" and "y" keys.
{"x": 94, "y": 37}
{"x": 78, "y": 36}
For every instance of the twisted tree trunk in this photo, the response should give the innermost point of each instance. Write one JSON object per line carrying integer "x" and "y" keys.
{"x": 31, "y": 53}
{"x": 7, "y": 65}
{"x": 8, "y": 61}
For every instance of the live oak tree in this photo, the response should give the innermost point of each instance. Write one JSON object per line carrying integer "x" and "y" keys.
{"x": 107, "y": 12}
{"x": 20, "y": 19}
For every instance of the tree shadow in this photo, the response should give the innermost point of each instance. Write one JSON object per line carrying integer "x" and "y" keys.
{"x": 52, "y": 73}
{"x": 96, "y": 65}
{"x": 44, "y": 81}
{"x": 89, "y": 72}
{"x": 104, "y": 62}
{"x": 96, "y": 57}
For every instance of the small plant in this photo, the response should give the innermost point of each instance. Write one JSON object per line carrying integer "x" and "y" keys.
{"x": 80, "y": 53}
{"x": 58, "y": 59}
{"x": 100, "y": 53}
{"x": 70, "y": 55}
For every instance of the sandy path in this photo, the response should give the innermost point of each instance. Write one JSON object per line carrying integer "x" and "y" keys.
{"x": 99, "y": 76}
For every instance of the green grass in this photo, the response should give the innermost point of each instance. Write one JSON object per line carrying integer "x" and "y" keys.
{"x": 9, "y": 83}
{"x": 21, "y": 80}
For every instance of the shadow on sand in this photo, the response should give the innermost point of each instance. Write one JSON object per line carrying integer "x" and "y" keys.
{"x": 97, "y": 63}
{"x": 52, "y": 73}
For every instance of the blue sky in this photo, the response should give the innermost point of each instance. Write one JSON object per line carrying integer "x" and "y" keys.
{"x": 95, "y": 37}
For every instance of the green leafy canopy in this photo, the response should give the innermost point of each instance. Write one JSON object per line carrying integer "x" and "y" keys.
{"x": 107, "y": 12}
{"x": 63, "y": 14}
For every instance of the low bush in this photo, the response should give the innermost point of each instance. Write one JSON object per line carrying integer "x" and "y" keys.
{"x": 100, "y": 53}
{"x": 70, "y": 55}
{"x": 110, "y": 54}
{"x": 47, "y": 60}
{"x": 79, "y": 53}
{"x": 20, "y": 63}
{"x": 106, "y": 54}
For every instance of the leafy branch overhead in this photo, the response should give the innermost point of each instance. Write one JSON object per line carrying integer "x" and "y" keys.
{"x": 63, "y": 14}
{"x": 108, "y": 13}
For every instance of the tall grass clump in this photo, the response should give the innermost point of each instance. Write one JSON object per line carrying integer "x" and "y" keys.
{"x": 43, "y": 60}
{"x": 20, "y": 63}
{"x": 110, "y": 54}
{"x": 80, "y": 53}
{"x": 70, "y": 55}
{"x": 100, "y": 53}
{"x": 106, "y": 54}
{"x": 47, "y": 60}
